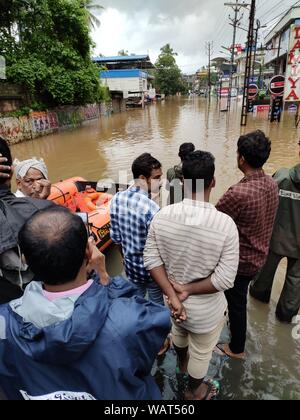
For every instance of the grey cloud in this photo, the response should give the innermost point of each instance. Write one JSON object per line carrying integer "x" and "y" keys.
{"x": 186, "y": 25}
{"x": 170, "y": 7}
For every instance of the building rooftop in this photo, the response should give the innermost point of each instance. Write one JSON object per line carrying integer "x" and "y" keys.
{"x": 123, "y": 62}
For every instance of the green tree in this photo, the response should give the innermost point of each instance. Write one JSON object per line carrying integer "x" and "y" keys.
{"x": 168, "y": 77}
{"x": 50, "y": 53}
{"x": 203, "y": 78}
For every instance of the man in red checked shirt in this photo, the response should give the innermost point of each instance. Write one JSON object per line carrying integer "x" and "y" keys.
{"x": 252, "y": 204}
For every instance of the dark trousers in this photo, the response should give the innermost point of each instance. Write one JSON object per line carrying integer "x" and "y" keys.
{"x": 9, "y": 291}
{"x": 261, "y": 289}
{"x": 237, "y": 299}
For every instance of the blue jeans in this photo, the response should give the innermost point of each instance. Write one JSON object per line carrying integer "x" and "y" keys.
{"x": 154, "y": 292}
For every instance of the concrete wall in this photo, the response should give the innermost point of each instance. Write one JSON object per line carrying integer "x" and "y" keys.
{"x": 12, "y": 97}
{"x": 118, "y": 105}
{"x": 38, "y": 124}
{"x": 106, "y": 109}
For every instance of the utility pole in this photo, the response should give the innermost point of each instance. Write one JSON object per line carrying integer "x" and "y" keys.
{"x": 256, "y": 30}
{"x": 209, "y": 50}
{"x": 250, "y": 43}
{"x": 235, "y": 23}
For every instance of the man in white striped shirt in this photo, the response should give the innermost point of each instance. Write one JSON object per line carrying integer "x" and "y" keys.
{"x": 192, "y": 252}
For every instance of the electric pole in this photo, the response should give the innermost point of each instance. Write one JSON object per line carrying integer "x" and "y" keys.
{"x": 209, "y": 50}
{"x": 257, "y": 29}
{"x": 248, "y": 69}
{"x": 258, "y": 26}
{"x": 235, "y": 23}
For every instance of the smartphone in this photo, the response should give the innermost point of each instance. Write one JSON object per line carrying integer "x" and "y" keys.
{"x": 85, "y": 218}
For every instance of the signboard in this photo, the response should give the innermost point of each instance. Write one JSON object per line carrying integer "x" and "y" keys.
{"x": 224, "y": 91}
{"x": 293, "y": 109}
{"x": 277, "y": 85}
{"x": 234, "y": 92}
{"x": 261, "y": 108}
{"x": 238, "y": 48}
{"x": 252, "y": 91}
{"x": 276, "y": 109}
{"x": 292, "y": 85}
{"x": 250, "y": 106}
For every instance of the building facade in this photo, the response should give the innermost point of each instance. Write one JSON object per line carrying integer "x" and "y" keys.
{"x": 129, "y": 82}
{"x": 277, "y": 41}
{"x": 127, "y": 74}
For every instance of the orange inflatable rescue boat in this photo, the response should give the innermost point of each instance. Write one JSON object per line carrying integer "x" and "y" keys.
{"x": 80, "y": 196}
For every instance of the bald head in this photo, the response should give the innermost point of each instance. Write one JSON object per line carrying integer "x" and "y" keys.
{"x": 54, "y": 243}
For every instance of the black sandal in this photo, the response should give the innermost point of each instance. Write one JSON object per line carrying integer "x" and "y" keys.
{"x": 213, "y": 390}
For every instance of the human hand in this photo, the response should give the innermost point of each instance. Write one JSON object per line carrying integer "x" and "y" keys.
{"x": 177, "y": 309}
{"x": 97, "y": 263}
{"x": 181, "y": 291}
{"x": 42, "y": 189}
{"x": 4, "y": 169}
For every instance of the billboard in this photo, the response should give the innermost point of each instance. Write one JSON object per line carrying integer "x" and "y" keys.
{"x": 292, "y": 84}
{"x": 277, "y": 84}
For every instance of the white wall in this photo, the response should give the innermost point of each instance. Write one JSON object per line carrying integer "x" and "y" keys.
{"x": 129, "y": 84}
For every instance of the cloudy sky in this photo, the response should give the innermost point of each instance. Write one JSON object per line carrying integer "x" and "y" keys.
{"x": 145, "y": 26}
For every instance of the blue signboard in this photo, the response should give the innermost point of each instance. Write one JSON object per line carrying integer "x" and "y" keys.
{"x": 120, "y": 74}
{"x": 253, "y": 79}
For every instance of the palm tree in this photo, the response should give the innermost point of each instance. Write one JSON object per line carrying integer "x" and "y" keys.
{"x": 91, "y": 7}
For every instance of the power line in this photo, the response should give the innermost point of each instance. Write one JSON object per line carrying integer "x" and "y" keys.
{"x": 282, "y": 13}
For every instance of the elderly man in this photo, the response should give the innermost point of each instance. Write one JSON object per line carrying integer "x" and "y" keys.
{"x": 14, "y": 212}
{"x": 32, "y": 179}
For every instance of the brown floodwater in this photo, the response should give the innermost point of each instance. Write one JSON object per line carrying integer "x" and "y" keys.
{"x": 103, "y": 148}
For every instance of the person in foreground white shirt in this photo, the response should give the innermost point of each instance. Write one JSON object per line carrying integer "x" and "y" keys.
{"x": 192, "y": 252}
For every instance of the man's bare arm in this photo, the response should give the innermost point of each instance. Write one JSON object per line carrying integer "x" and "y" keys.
{"x": 198, "y": 287}
{"x": 159, "y": 275}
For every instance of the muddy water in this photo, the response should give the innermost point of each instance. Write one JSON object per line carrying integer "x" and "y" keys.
{"x": 103, "y": 148}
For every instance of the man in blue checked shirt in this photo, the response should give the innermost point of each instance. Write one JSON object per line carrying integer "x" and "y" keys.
{"x": 131, "y": 214}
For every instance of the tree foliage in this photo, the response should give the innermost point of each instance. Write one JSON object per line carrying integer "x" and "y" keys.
{"x": 47, "y": 47}
{"x": 168, "y": 77}
{"x": 123, "y": 53}
{"x": 92, "y": 6}
{"x": 203, "y": 79}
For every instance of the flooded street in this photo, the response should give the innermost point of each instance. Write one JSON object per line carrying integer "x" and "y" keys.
{"x": 103, "y": 148}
